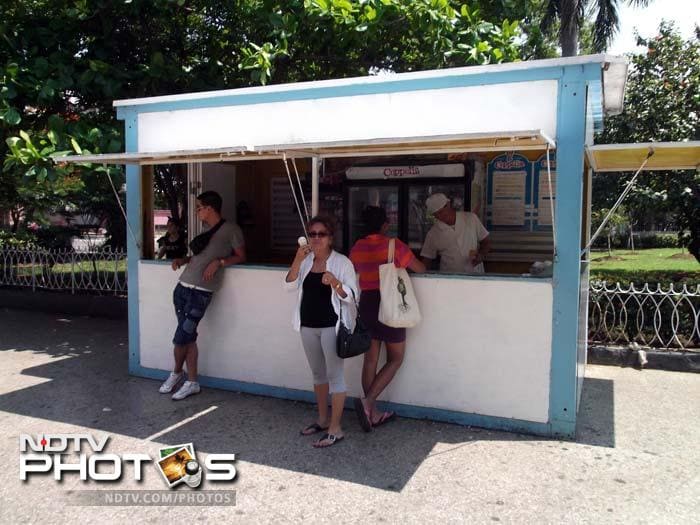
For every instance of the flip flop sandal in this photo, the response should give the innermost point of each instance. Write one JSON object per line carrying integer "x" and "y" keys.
{"x": 328, "y": 437}
{"x": 313, "y": 428}
{"x": 385, "y": 418}
{"x": 362, "y": 415}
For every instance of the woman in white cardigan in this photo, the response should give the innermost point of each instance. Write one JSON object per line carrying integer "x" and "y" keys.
{"x": 323, "y": 278}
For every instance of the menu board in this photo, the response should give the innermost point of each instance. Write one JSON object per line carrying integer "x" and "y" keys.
{"x": 519, "y": 207}
{"x": 508, "y": 193}
{"x": 508, "y": 204}
{"x": 542, "y": 191}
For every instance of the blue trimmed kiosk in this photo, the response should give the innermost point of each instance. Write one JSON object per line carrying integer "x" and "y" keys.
{"x": 503, "y": 350}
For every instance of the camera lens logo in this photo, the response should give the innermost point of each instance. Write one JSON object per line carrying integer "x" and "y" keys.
{"x": 178, "y": 464}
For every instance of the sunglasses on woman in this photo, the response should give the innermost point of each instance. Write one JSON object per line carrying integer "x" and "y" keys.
{"x": 318, "y": 234}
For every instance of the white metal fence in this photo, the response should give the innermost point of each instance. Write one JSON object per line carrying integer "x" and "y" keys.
{"x": 97, "y": 271}
{"x": 659, "y": 317}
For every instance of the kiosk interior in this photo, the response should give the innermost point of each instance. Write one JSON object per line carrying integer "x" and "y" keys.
{"x": 502, "y": 350}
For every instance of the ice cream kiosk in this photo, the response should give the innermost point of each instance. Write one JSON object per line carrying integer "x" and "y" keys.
{"x": 503, "y": 350}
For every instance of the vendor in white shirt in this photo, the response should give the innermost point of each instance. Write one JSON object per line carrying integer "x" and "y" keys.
{"x": 458, "y": 237}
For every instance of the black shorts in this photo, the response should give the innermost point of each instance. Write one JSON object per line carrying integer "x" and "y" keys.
{"x": 369, "y": 311}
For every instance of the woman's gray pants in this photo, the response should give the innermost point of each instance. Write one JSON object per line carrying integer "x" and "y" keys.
{"x": 326, "y": 366}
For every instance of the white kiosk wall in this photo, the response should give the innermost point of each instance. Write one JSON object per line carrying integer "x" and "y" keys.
{"x": 468, "y": 354}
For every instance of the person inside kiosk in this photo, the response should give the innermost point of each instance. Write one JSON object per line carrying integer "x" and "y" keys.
{"x": 457, "y": 237}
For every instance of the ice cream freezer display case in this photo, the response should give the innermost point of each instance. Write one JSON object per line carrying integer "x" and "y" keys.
{"x": 401, "y": 191}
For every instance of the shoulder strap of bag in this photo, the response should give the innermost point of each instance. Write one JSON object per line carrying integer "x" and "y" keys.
{"x": 217, "y": 226}
{"x": 354, "y": 300}
{"x": 390, "y": 256}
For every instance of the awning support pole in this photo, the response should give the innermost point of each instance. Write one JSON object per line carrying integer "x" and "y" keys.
{"x": 314, "y": 185}
{"x": 301, "y": 190}
{"x": 627, "y": 189}
{"x": 116, "y": 195}
{"x": 294, "y": 194}
{"x": 551, "y": 204}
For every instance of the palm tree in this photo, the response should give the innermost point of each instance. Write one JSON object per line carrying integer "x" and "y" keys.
{"x": 571, "y": 15}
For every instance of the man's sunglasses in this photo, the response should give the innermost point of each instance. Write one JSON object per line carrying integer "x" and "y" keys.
{"x": 318, "y": 234}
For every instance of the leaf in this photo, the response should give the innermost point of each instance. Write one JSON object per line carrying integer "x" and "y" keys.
{"x": 12, "y": 117}
{"x": 46, "y": 92}
{"x": 12, "y": 70}
{"x": 76, "y": 147}
{"x": 62, "y": 153}
{"x": 53, "y": 137}
{"x": 13, "y": 144}
{"x": 56, "y": 123}
{"x": 343, "y": 4}
{"x": 25, "y": 136}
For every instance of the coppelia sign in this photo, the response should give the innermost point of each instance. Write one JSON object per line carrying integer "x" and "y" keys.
{"x": 405, "y": 172}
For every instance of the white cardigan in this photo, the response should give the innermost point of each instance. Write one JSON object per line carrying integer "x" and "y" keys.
{"x": 344, "y": 271}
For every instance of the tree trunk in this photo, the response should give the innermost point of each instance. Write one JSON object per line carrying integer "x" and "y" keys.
{"x": 568, "y": 34}
{"x": 28, "y": 216}
{"x": 631, "y": 235}
{"x": 15, "y": 214}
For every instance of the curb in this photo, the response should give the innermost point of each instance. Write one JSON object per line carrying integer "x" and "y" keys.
{"x": 107, "y": 306}
{"x": 656, "y": 359}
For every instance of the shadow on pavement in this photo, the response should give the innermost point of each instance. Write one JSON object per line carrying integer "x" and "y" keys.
{"x": 89, "y": 386}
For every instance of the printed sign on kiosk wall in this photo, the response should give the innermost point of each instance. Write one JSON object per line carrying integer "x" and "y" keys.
{"x": 509, "y": 193}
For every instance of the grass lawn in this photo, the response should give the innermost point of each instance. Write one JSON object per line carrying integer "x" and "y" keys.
{"x": 80, "y": 266}
{"x": 87, "y": 266}
{"x": 654, "y": 265}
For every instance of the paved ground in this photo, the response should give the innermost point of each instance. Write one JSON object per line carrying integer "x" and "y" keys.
{"x": 636, "y": 458}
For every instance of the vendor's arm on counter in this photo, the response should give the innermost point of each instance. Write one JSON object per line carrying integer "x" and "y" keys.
{"x": 477, "y": 256}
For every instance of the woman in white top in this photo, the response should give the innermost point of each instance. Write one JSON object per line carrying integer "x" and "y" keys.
{"x": 323, "y": 278}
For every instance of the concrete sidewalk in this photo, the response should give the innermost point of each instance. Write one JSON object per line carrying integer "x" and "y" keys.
{"x": 636, "y": 457}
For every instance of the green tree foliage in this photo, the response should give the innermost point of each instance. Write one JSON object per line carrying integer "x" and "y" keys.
{"x": 63, "y": 62}
{"x": 661, "y": 104}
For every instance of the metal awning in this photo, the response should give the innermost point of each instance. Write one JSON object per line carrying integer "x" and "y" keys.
{"x": 449, "y": 143}
{"x": 159, "y": 157}
{"x": 629, "y": 157}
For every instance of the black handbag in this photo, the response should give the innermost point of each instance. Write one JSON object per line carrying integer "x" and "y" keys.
{"x": 350, "y": 344}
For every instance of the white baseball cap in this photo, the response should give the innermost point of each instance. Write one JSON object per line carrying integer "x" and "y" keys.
{"x": 436, "y": 202}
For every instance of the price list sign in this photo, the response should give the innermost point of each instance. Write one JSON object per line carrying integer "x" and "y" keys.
{"x": 508, "y": 197}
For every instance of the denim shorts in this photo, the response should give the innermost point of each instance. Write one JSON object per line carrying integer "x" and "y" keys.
{"x": 190, "y": 305}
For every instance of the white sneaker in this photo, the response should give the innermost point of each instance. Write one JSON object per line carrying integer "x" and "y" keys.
{"x": 187, "y": 389}
{"x": 171, "y": 382}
